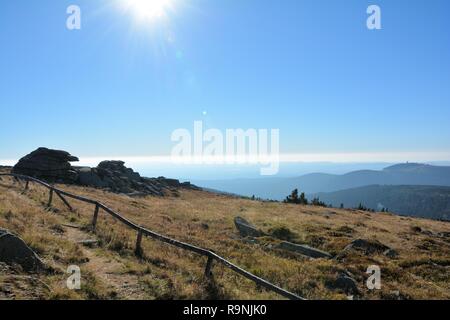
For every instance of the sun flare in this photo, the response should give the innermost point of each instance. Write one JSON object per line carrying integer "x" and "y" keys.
{"x": 148, "y": 10}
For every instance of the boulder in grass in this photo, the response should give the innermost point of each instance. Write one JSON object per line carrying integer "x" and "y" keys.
{"x": 368, "y": 247}
{"x": 303, "y": 250}
{"x": 246, "y": 229}
{"x": 345, "y": 283}
{"x": 14, "y": 251}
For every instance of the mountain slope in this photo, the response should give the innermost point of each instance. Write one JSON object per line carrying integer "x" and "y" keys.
{"x": 111, "y": 271}
{"x": 430, "y": 202}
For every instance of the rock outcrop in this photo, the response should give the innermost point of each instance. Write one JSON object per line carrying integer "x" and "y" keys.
{"x": 14, "y": 251}
{"x": 49, "y": 165}
{"x": 114, "y": 176}
{"x": 54, "y": 166}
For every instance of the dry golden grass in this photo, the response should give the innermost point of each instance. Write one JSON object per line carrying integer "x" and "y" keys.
{"x": 420, "y": 272}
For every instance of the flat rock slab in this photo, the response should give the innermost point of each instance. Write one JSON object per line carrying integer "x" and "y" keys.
{"x": 88, "y": 243}
{"x": 13, "y": 250}
{"x": 73, "y": 226}
{"x": 367, "y": 246}
{"x": 304, "y": 250}
{"x": 246, "y": 229}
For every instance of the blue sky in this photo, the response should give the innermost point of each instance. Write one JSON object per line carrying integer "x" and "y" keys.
{"x": 310, "y": 68}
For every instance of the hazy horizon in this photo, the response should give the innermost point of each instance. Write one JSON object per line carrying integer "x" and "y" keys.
{"x": 205, "y": 172}
{"x": 311, "y": 69}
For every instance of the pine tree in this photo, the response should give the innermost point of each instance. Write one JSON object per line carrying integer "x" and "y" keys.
{"x": 293, "y": 198}
{"x": 296, "y": 199}
{"x": 303, "y": 199}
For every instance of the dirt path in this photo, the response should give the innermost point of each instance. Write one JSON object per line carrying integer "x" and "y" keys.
{"x": 107, "y": 266}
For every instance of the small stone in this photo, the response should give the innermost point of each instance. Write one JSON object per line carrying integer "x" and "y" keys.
{"x": 395, "y": 293}
{"x": 344, "y": 283}
{"x": 391, "y": 253}
{"x": 89, "y": 243}
{"x": 416, "y": 229}
{"x": 205, "y": 226}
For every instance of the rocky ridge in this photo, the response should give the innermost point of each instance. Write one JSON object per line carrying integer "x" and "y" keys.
{"x": 55, "y": 166}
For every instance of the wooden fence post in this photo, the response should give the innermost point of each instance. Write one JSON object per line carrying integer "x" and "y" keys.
{"x": 94, "y": 220}
{"x": 65, "y": 201}
{"x": 138, "y": 250}
{"x": 50, "y": 198}
{"x": 27, "y": 184}
{"x": 208, "y": 268}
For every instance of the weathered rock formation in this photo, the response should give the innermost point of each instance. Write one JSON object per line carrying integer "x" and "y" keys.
{"x": 115, "y": 177}
{"x": 49, "y": 165}
{"x": 13, "y": 251}
{"x": 54, "y": 166}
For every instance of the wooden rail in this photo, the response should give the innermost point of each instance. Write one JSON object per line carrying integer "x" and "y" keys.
{"x": 141, "y": 231}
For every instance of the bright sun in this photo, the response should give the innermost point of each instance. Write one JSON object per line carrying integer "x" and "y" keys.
{"x": 149, "y": 9}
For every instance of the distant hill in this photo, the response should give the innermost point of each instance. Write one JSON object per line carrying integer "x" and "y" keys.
{"x": 432, "y": 202}
{"x": 278, "y": 188}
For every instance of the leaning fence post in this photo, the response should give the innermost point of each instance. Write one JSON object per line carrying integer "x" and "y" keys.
{"x": 138, "y": 250}
{"x": 94, "y": 220}
{"x": 208, "y": 268}
{"x": 64, "y": 200}
{"x": 50, "y": 198}
{"x": 26, "y": 184}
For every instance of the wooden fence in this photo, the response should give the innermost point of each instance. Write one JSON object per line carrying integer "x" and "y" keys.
{"x": 141, "y": 231}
